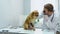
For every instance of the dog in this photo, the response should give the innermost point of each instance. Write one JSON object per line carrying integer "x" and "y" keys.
{"x": 29, "y": 22}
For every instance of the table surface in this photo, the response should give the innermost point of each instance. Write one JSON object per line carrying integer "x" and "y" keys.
{"x": 21, "y": 30}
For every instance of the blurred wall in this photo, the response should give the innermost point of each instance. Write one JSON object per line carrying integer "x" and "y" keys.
{"x": 10, "y": 10}
{"x": 59, "y": 6}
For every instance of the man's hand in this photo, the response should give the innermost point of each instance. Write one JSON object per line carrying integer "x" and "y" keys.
{"x": 46, "y": 17}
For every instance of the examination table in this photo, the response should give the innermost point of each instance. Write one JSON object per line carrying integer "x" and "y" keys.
{"x": 22, "y": 31}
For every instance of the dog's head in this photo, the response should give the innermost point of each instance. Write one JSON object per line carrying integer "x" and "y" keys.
{"x": 35, "y": 14}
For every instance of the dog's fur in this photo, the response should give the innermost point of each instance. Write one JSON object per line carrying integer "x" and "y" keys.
{"x": 30, "y": 19}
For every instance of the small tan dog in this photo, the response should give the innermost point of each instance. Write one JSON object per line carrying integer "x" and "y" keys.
{"x": 28, "y": 25}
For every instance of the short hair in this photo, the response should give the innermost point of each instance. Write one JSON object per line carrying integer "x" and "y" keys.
{"x": 49, "y": 7}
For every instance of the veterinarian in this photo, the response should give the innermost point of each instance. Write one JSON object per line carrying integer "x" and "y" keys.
{"x": 50, "y": 19}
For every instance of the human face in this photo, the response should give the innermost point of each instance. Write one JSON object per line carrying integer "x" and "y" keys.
{"x": 49, "y": 13}
{"x": 45, "y": 11}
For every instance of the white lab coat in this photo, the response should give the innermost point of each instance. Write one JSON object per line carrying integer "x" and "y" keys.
{"x": 50, "y": 25}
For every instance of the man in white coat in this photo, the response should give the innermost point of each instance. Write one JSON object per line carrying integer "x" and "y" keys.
{"x": 51, "y": 20}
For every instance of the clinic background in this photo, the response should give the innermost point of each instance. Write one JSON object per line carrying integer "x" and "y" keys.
{"x": 14, "y": 12}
